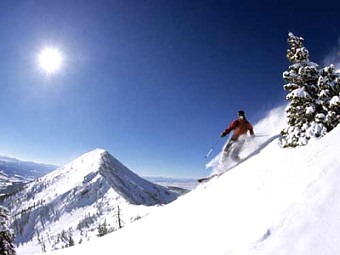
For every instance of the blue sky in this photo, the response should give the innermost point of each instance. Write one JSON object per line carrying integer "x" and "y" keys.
{"x": 152, "y": 82}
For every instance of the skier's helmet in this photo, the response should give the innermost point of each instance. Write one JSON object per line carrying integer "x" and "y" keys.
{"x": 241, "y": 113}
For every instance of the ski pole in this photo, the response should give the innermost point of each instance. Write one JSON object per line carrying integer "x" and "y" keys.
{"x": 212, "y": 148}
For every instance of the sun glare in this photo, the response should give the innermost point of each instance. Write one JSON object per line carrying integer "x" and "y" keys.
{"x": 50, "y": 60}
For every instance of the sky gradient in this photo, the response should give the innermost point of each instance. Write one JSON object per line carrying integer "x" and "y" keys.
{"x": 152, "y": 82}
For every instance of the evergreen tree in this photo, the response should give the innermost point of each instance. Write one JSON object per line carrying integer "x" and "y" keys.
{"x": 6, "y": 235}
{"x": 313, "y": 93}
{"x": 302, "y": 78}
{"x": 328, "y": 97}
{"x": 70, "y": 241}
{"x": 102, "y": 229}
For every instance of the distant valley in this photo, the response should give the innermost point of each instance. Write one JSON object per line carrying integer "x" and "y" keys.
{"x": 14, "y": 173}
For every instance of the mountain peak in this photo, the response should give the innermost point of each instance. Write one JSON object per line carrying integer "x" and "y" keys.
{"x": 122, "y": 180}
{"x": 91, "y": 188}
{"x": 132, "y": 187}
{"x": 91, "y": 155}
{"x": 98, "y": 151}
{"x": 129, "y": 185}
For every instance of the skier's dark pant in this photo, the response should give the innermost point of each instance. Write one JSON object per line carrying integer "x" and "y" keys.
{"x": 233, "y": 148}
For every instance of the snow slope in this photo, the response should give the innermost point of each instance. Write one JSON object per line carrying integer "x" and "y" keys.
{"x": 278, "y": 201}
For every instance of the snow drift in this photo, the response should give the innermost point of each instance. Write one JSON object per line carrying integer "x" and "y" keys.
{"x": 278, "y": 201}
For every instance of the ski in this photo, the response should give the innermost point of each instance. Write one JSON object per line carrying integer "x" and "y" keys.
{"x": 230, "y": 167}
{"x": 205, "y": 179}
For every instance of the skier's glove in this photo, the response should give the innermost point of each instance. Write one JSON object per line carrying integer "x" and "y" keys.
{"x": 223, "y": 134}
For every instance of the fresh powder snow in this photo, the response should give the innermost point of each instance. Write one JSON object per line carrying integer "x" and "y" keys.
{"x": 277, "y": 201}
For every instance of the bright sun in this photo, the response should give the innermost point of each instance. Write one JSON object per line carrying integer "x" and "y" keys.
{"x": 50, "y": 60}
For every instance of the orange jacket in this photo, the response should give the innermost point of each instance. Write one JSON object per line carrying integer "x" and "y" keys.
{"x": 240, "y": 127}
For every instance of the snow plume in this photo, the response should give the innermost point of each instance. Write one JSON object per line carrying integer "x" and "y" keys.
{"x": 333, "y": 58}
{"x": 337, "y": 66}
{"x": 265, "y": 130}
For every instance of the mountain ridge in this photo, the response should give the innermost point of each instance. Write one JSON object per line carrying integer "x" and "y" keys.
{"x": 122, "y": 179}
{"x": 80, "y": 195}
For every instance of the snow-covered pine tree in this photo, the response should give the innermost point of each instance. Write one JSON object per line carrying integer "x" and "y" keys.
{"x": 328, "y": 97}
{"x": 6, "y": 235}
{"x": 102, "y": 229}
{"x": 301, "y": 78}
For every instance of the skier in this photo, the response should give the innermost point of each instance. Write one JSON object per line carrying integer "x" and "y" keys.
{"x": 240, "y": 128}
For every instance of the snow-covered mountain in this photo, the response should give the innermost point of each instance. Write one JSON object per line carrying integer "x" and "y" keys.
{"x": 278, "y": 202}
{"x": 66, "y": 207}
{"x": 15, "y": 173}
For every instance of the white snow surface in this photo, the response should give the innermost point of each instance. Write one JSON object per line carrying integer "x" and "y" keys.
{"x": 277, "y": 201}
